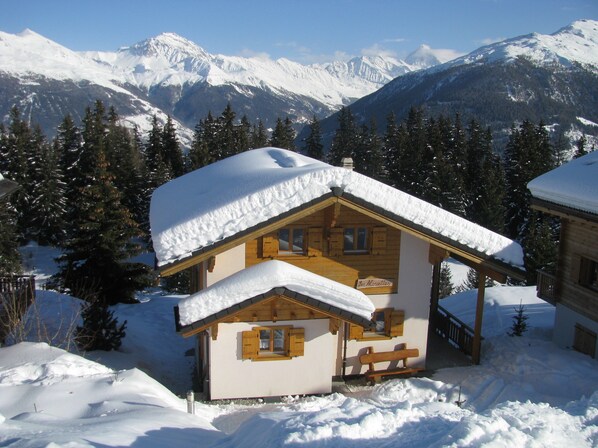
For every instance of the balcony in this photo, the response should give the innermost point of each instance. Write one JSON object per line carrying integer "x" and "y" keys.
{"x": 546, "y": 287}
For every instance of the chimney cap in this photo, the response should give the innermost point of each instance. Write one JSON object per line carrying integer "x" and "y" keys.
{"x": 347, "y": 162}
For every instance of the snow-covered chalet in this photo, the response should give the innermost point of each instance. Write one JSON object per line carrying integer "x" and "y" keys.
{"x": 302, "y": 272}
{"x": 570, "y": 192}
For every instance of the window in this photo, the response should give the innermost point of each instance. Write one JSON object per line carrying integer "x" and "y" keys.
{"x": 588, "y": 273}
{"x": 386, "y": 323}
{"x": 291, "y": 241}
{"x": 355, "y": 240}
{"x": 273, "y": 343}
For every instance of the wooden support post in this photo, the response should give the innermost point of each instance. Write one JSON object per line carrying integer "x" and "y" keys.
{"x": 434, "y": 296}
{"x": 196, "y": 278}
{"x": 479, "y": 312}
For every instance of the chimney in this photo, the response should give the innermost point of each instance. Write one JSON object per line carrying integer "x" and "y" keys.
{"x": 347, "y": 162}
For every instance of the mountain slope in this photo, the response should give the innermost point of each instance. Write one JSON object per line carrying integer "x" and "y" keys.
{"x": 537, "y": 77}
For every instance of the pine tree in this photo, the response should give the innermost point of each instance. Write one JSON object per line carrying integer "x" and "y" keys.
{"x": 313, "y": 143}
{"x": 367, "y": 157}
{"x": 259, "y": 138}
{"x": 10, "y": 260}
{"x": 158, "y": 170}
{"x": 100, "y": 329}
{"x": 445, "y": 287}
{"x": 48, "y": 197}
{"x": 100, "y": 241}
{"x": 346, "y": 138}
{"x": 171, "y": 149}
{"x": 540, "y": 244}
{"x": 283, "y": 135}
{"x": 580, "y": 147}
{"x": 69, "y": 147}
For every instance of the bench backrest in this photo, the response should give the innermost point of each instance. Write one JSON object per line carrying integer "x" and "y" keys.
{"x": 395, "y": 355}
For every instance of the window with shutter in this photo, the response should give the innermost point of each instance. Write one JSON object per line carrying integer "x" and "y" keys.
{"x": 314, "y": 242}
{"x": 273, "y": 343}
{"x": 379, "y": 241}
{"x": 251, "y": 344}
{"x": 336, "y": 242}
{"x": 387, "y": 323}
{"x": 269, "y": 245}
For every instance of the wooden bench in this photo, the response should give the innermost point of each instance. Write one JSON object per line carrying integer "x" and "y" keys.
{"x": 372, "y": 358}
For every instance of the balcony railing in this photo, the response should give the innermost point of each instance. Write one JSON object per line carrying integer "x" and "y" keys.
{"x": 546, "y": 287}
{"x": 449, "y": 327}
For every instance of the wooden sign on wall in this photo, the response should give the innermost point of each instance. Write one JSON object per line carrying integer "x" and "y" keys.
{"x": 364, "y": 283}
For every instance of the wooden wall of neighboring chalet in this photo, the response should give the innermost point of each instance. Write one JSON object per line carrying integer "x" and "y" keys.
{"x": 578, "y": 239}
{"x": 344, "y": 268}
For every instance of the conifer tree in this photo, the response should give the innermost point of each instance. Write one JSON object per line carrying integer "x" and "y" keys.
{"x": 367, "y": 156}
{"x": 395, "y": 142}
{"x": 243, "y": 134}
{"x": 313, "y": 143}
{"x": 346, "y": 138}
{"x": 259, "y": 137}
{"x": 100, "y": 243}
{"x": 69, "y": 147}
{"x": 172, "y": 154}
{"x": 580, "y": 147}
{"x": 10, "y": 260}
{"x": 445, "y": 287}
{"x": 283, "y": 135}
{"x": 100, "y": 329}
{"x": 48, "y": 197}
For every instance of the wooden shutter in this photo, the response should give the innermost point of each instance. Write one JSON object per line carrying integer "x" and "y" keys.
{"x": 397, "y": 319}
{"x": 336, "y": 242}
{"x": 379, "y": 241}
{"x": 355, "y": 331}
{"x": 251, "y": 344}
{"x": 296, "y": 341}
{"x": 314, "y": 242}
{"x": 270, "y": 245}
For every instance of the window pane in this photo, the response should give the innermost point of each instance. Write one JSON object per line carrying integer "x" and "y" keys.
{"x": 283, "y": 240}
{"x": 278, "y": 340}
{"x": 361, "y": 238}
{"x": 264, "y": 339}
{"x": 380, "y": 322}
{"x": 297, "y": 240}
{"x": 348, "y": 239}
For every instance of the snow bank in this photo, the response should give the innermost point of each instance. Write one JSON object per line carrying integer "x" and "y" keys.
{"x": 222, "y": 199}
{"x": 264, "y": 277}
{"x": 574, "y": 184}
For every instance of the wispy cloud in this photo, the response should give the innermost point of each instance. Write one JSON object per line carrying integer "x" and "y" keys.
{"x": 490, "y": 40}
{"x": 248, "y": 53}
{"x": 378, "y": 50}
{"x": 394, "y": 40}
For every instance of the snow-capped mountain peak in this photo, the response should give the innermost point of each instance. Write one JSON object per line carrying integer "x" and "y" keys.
{"x": 170, "y": 46}
{"x": 572, "y": 44}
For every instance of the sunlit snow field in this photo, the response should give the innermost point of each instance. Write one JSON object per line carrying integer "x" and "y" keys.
{"x": 526, "y": 392}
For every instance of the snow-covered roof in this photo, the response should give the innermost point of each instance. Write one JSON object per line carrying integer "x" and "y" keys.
{"x": 264, "y": 277}
{"x": 573, "y": 185}
{"x": 225, "y": 198}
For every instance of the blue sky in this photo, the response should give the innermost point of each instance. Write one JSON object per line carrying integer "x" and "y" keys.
{"x": 302, "y": 30}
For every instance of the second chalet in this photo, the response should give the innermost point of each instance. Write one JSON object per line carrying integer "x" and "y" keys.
{"x": 302, "y": 272}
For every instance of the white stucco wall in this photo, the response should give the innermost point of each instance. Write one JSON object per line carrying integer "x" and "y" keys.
{"x": 227, "y": 263}
{"x": 413, "y": 296}
{"x": 564, "y": 326}
{"x": 233, "y": 377}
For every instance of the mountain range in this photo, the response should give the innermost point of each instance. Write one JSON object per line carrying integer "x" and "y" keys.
{"x": 539, "y": 77}
{"x": 550, "y": 78}
{"x": 169, "y": 74}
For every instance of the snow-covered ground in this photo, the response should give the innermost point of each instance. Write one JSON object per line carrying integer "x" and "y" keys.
{"x": 526, "y": 392}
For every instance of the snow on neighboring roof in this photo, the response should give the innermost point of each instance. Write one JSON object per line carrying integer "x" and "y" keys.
{"x": 574, "y": 184}
{"x": 264, "y": 277}
{"x": 235, "y": 194}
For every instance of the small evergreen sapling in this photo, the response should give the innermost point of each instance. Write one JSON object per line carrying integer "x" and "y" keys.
{"x": 519, "y": 325}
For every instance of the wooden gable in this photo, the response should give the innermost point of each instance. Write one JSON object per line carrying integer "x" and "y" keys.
{"x": 275, "y": 307}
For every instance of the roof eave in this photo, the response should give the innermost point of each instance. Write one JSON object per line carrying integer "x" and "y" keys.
{"x": 331, "y": 310}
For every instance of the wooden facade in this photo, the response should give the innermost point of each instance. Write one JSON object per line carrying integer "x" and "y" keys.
{"x": 579, "y": 242}
{"x": 324, "y": 255}
{"x": 574, "y": 287}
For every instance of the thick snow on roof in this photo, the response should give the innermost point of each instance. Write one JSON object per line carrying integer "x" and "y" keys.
{"x": 222, "y": 199}
{"x": 263, "y": 277}
{"x": 574, "y": 184}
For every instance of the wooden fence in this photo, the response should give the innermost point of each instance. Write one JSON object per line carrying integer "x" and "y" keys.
{"x": 17, "y": 292}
